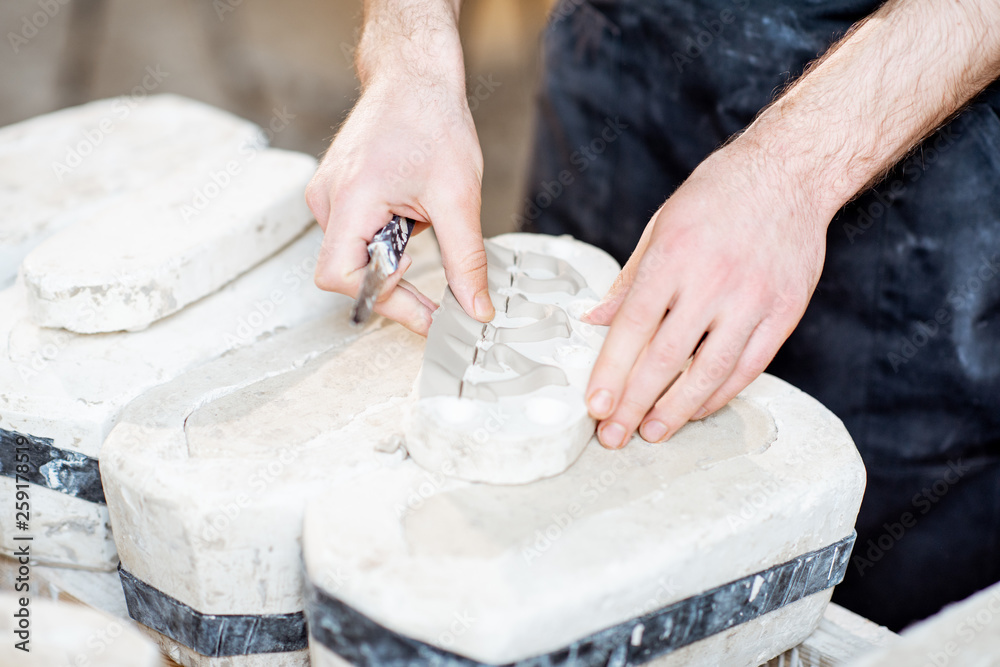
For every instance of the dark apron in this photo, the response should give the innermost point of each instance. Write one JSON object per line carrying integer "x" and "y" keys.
{"x": 901, "y": 339}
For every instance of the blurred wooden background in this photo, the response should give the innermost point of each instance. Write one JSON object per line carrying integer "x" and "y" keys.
{"x": 252, "y": 57}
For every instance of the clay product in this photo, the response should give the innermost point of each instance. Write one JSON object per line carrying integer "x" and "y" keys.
{"x": 503, "y": 402}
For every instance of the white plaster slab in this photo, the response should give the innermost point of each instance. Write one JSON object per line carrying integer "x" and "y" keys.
{"x": 207, "y": 476}
{"x": 504, "y": 403}
{"x": 64, "y": 166}
{"x": 158, "y": 254}
{"x": 64, "y": 634}
{"x": 772, "y": 476}
{"x": 965, "y": 634}
{"x": 72, "y": 388}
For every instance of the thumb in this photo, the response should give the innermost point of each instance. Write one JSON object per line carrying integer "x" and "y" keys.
{"x": 464, "y": 259}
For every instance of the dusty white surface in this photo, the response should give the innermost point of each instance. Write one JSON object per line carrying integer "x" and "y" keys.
{"x": 965, "y": 634}
{"x": 504, "y": 403}
{"x": 771, "y": 476}
{"x": 207, "y": 476}
{"x": 72, "y": 388}
{"x": 150, "y": 253}
{"x": 64, "y": 634}
{"x": 62, "y": 167}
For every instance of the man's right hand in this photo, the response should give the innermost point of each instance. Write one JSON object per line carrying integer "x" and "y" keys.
{"x": 409, "y": 147}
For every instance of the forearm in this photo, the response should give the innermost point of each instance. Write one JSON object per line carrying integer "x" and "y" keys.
{"x": 411, "y": 39}
{"x": 896, "y": 78}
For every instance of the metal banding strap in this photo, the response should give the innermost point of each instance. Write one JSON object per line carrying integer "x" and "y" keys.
{"x": 212, "y": 635}
{"x": 364, "y": 643}
{"x": 62, "y": 470}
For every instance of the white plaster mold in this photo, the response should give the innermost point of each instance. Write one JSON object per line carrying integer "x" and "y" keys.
{"x": 770, "y": 477}
{"x": 65, "y": 633}
{"x": 72, "y": 387}
{"x": 965, "y": 633}
{"x": 207, "y": 476}
{"x": 503, "y": 402}
{"x": 157, "y": 253}
{"x": 65, "y": 166}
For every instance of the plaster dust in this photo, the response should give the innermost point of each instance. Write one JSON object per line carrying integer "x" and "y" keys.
{"x": 158, "y": 253}
{"x": 965, "y": 633}
{"x": 207, "y": 476}
{"x": 503, "y": 403}
{"x": 621, "y": 533}
{"x": 65, "y": 166}
{"x": 72, "y": 388}
{"x": 64, "y": 633}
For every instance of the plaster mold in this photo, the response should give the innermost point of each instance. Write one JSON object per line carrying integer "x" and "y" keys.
{"x": 64, "y": 633}
{"x": 503, "y": 402}
{"x": 499, "y": 574}
{"x": 63, "y": 392}
{"x": 65, "y": 166}
{"x": 965, "y": 633}
{"x": 207, "y": 476}
{"x": 158, "y": 253}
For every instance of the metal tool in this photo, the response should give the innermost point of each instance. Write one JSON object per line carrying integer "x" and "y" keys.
{"x": 384, "y": 253}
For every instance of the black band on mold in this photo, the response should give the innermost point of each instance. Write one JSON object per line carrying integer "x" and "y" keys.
{"x": 212, "y": 635}
{"x": 364, "y": 643}
{"x": 62, "y": 470}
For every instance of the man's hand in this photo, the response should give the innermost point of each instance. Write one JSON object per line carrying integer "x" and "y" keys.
{"x": 409, "y": 148}
{"x": 725, "y": 268}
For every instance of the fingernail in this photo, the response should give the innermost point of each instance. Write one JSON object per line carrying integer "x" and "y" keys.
{"x": 612, "y": 435}
{"x": 599, "y": 404}
{"x": 702, "y": 411}
{"x": 653, "y": 431}
{"x": 484, "y": 306}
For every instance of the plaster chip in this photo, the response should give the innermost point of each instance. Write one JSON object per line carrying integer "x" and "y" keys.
{"x": 625, "y": 557}
{"x": 61, "y": 393}
{"x": 65, "y": 166}
{"x": 503, "y": 402}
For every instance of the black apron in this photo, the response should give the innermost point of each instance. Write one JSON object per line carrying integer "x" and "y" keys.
{"x": 902, "y": 337}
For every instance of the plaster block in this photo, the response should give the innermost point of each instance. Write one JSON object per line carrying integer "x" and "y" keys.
{"x": 503, "y": 402}
{"x": 65, "y": 166}
{"x": 158, "y": 253}
{"x": 580, "y": 568}
{"x": 65, "y": 391}
{"x": 207, "y": 476}
{"x": 965, "y": 633}
{"x": 64, "y": 633}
